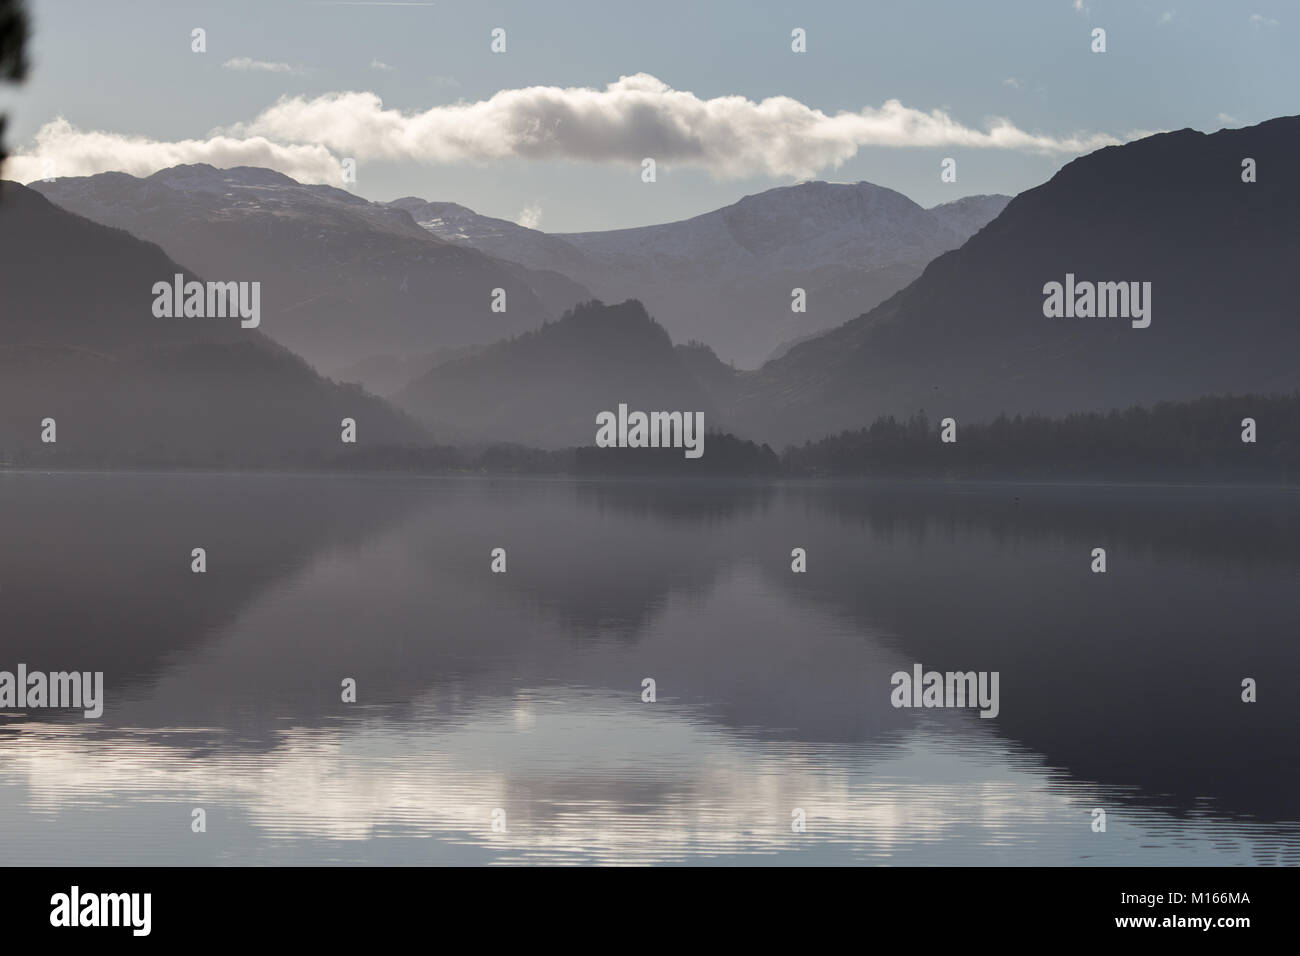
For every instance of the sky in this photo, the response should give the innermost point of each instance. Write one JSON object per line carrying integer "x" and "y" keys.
{"x": 552, "y": 131}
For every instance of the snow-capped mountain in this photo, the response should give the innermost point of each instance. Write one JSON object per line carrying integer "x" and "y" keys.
{"x": 356, "y": 285}
{"x": 726, "y": 277}
{"x": 346, "y": 279}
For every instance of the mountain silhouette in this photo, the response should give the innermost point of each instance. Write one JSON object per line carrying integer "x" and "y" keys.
{"x": 545, "y": 388}
{"x": 79, "y": 343}
{"x": 726, "y": 277}
{"x": 347, "y": 279}
{"x": 969, "y": 338}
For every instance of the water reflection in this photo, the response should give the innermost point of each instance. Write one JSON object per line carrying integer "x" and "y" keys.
{"x": 522, "y": 691}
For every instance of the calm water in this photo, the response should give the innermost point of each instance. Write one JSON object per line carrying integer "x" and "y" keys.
{"x": 522, "y": 691}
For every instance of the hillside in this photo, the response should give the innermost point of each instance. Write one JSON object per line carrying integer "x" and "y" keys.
{"x": 79, "y": 343}
{"x": 969, "y": 338}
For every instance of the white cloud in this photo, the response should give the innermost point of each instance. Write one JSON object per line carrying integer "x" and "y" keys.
{"x": 632, "y": 118}
{"x": 1012, "y": 82}
{"x": 260, "y": 66}
{"x": 1258, "y": 20}
{"x": 1225, "y": 118}
{"x": 381, "y": 66}
{"x": 635, "y": 117}
{"x": 75, "y": 152}
{"x": 1167, "y": 16}
{"x": 530, "y": 217}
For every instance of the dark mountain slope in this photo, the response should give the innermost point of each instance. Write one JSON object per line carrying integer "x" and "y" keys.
{"x": 545, "y": 388}
{"x": 969, "y": 338}
{"x": 79, "y": 343}
{"x": 345, "y": 279}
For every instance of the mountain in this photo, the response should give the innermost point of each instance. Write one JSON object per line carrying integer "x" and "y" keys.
{"x": 499, "y": 237}
{"x": 79, "y": 343}
{"x": 545, "y": 388}
{"x": 346, "y": 279}
{"x": 385, "y": 374}
{"x": 969, "y": 338}
{"x": 725, "y": 277}
{"x": 786, "y": 346}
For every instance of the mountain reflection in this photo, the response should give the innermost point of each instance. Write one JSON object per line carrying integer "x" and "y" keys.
{"x": 523, "y": 690}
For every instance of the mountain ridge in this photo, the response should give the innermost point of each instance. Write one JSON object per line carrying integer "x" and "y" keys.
{"x": 725, "y": 276}
{"x": 544, "y": 388}
{"x": 127, "y": 387}
{"x": 969, "y": 338}
{"x": 347, "y": 279}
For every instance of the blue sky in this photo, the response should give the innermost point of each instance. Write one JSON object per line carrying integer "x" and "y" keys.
{"x": 126, "y": 69}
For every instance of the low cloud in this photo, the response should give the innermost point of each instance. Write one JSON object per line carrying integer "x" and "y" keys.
{"x": 635, "y": 117}
{"x": 61, "y": 149}
{"x": 530, "y": 217}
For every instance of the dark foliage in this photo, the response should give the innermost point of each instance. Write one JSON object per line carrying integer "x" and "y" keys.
{"x": 1197, "y": 440}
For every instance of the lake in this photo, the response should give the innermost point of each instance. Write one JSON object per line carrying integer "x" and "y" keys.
{"x": 516, "y": 698}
